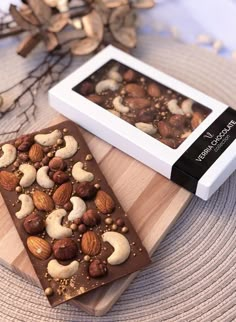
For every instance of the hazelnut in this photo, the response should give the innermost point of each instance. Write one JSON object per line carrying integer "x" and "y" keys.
{"x": 37, "y": 165}
{"x": 65, "y": 249}
{"x": 60, "y": 177}
{"x": 97, "y": 268}
{"x": 91, "y": 218}
{"x": 129, "y": 75}
{"x": 145, "y": 116}
{"x": 108, "y": 221}
{"x": 57, "y": 164}
{"x": 45, "y": 160}
{"x": 86, "y": 88}
{"x": 46, "y": 149}
{"x": 68, "y": 206}
{"x": 120, "y": 222}
{"x": 77, "y": 221}
{"x": 48, "y": 291}
{"x": 34, "y": 224}
{"x": 82, "y": 228}
{"x": 86, "y": 190}
{"x": 23, "y": 156}
{"x": 124, "y": 229}
{"x": 177, "y": 121}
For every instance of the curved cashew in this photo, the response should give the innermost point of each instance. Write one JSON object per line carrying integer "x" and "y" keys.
{"x": 115, "y": 75}
{"x": 187, "y": 106}
{"x": 81, "y": 175}
{"x": 121, "y": 247}
{"x": 107, "y": 84}
{"x": 117, "y": 103}
{"x": 79, "y": 207}
{"x": 146, "y": 127}
{"x": 69, "y": 149}
{"x": 27, "y": 206}
{"x": 43, "y": 179}
{"x": 9, "y": 155}
{"x": 57, "y": 270}
{"x": 114, "y": 112}
{"x": 174, "y": 108}
{"x": 48, "y": 139}
{"x": 53, "y": 225}
{"x": 29, "y": 175}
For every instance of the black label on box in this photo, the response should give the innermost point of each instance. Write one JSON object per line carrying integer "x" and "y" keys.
{"x": 192, "y": 165}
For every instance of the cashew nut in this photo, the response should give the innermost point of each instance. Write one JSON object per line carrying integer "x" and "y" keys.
{"x": 56, "y": 270}
{"x": 114, "y": 112}
{"x": 115, "y": 75}
{"x": 106, "y": 84}
{"x": 174, "y": 108}
{"x": 53, "y": 225}
{"x": 9, "y": 155}
{"x": 29, "y": 175}
{"x": 43, "y": 179}
{"x": 48, "y": 139}
{"x": 187, "y": 106}
{"x": 79, "y": 207}
{"x": 69, "y": 149}
{"x": 121, "y": 247}
{"x": 146, "y": 127}
{"x": 117, "y": 103}
{"x": 81, "y": 175}
{"x": 27, "y": 206}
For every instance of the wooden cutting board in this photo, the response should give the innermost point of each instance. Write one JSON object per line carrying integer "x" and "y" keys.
{"x": 152, "y": 202}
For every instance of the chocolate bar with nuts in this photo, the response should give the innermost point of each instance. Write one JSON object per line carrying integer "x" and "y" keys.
{"x": 74, "y": 230}
{"x": 153, "y": 108}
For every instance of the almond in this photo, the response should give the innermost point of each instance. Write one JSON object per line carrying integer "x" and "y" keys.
{"x": 8, "y": 180}
{"x": 90, "y": 243}
{"x": 36, "y": 153}
{"x": 39, "y": 247}
{"x": 138, "y": 103}
{"x": 62, "y": 195}
{"x": 42, "y": 201}
{"x": 165, "y": 129}
{"x": 104, "y": 202}
{"x": 134, "y": 90}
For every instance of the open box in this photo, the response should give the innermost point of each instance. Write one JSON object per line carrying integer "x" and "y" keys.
{"x": 200, "y": 163}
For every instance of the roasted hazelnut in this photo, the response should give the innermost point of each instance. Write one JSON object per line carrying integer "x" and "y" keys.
{"x": 60, "y": 177}
{"x": 46, "y": 149}
{"x": 82, "y": 228}
{"x": 86, "y": 88}
{"x": 77, "y": 221}
{"x": 120, "y": 222}
{"x": 165, "y": 129}
{"x": 37, "y": 165}
{"x": 129, "y": 75}
{"x": 65, "y": 249}
{"x": 57, "y": 164}
{"x": 86, "y": 190}
{"x": 91, "y": 218}
{"x": 34, "y": 224}
{"x": 153, "y": 90}
{"x": 97, "y": 268}
{"x": 68, "y": 206}
{"x": 145, "y": 116}
{"x": 177, "y": 121}
{"x": 45, "y": 160}
{"x": 23, "y": 156}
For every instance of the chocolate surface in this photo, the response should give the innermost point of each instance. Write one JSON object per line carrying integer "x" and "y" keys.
{"x": 153, "y": 108}
{"x": 103, "y": 214}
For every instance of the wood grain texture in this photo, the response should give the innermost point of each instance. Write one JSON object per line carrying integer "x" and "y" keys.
{"x": 152, "y": 203}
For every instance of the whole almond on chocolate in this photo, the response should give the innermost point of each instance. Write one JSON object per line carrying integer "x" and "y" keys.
{"x": 154, "y": 90}
{"x": 130, "y": 75}
{"x": 23, "y": 156}
{"x": 86, "y": 190}
{"x": 62, "y": 195}
{"x": 43, "y": 201}
{"x": 165, "y": 129}
{"x": 134, "y": 90}
{"x": 104, "y": 202}
{"x": 36, "y": 153}
{"x": 39, "y": 247}
{"x": 8, "y": 180}
{"x": 34, "y": 224}
{"x": 96, "y": 99}
{"x": 57, "y": 163}
{"x": 138, "y": 103}
{"x": 65, "y": 249}
{"x": 177, "y": 120}
{"x": 91, "y": 218}
{"x": 90, "y": 243}
{"x": 60, "y": 177}
{"x": 97, "y": 268}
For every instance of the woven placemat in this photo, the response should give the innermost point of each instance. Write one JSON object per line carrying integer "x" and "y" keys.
{"x": 192, "y": 277}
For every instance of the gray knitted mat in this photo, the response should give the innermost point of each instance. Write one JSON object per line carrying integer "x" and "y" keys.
{"x": 193, "y": 274}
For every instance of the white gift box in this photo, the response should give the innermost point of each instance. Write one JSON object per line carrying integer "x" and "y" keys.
{"x": 201, "y": 163}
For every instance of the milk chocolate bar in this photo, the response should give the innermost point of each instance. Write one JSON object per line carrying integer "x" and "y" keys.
{"x": 73, "y": 227}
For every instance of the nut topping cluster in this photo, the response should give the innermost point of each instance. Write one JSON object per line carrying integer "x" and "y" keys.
{"x": 73, "y": 228}
{"x": 151, "y": 107}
